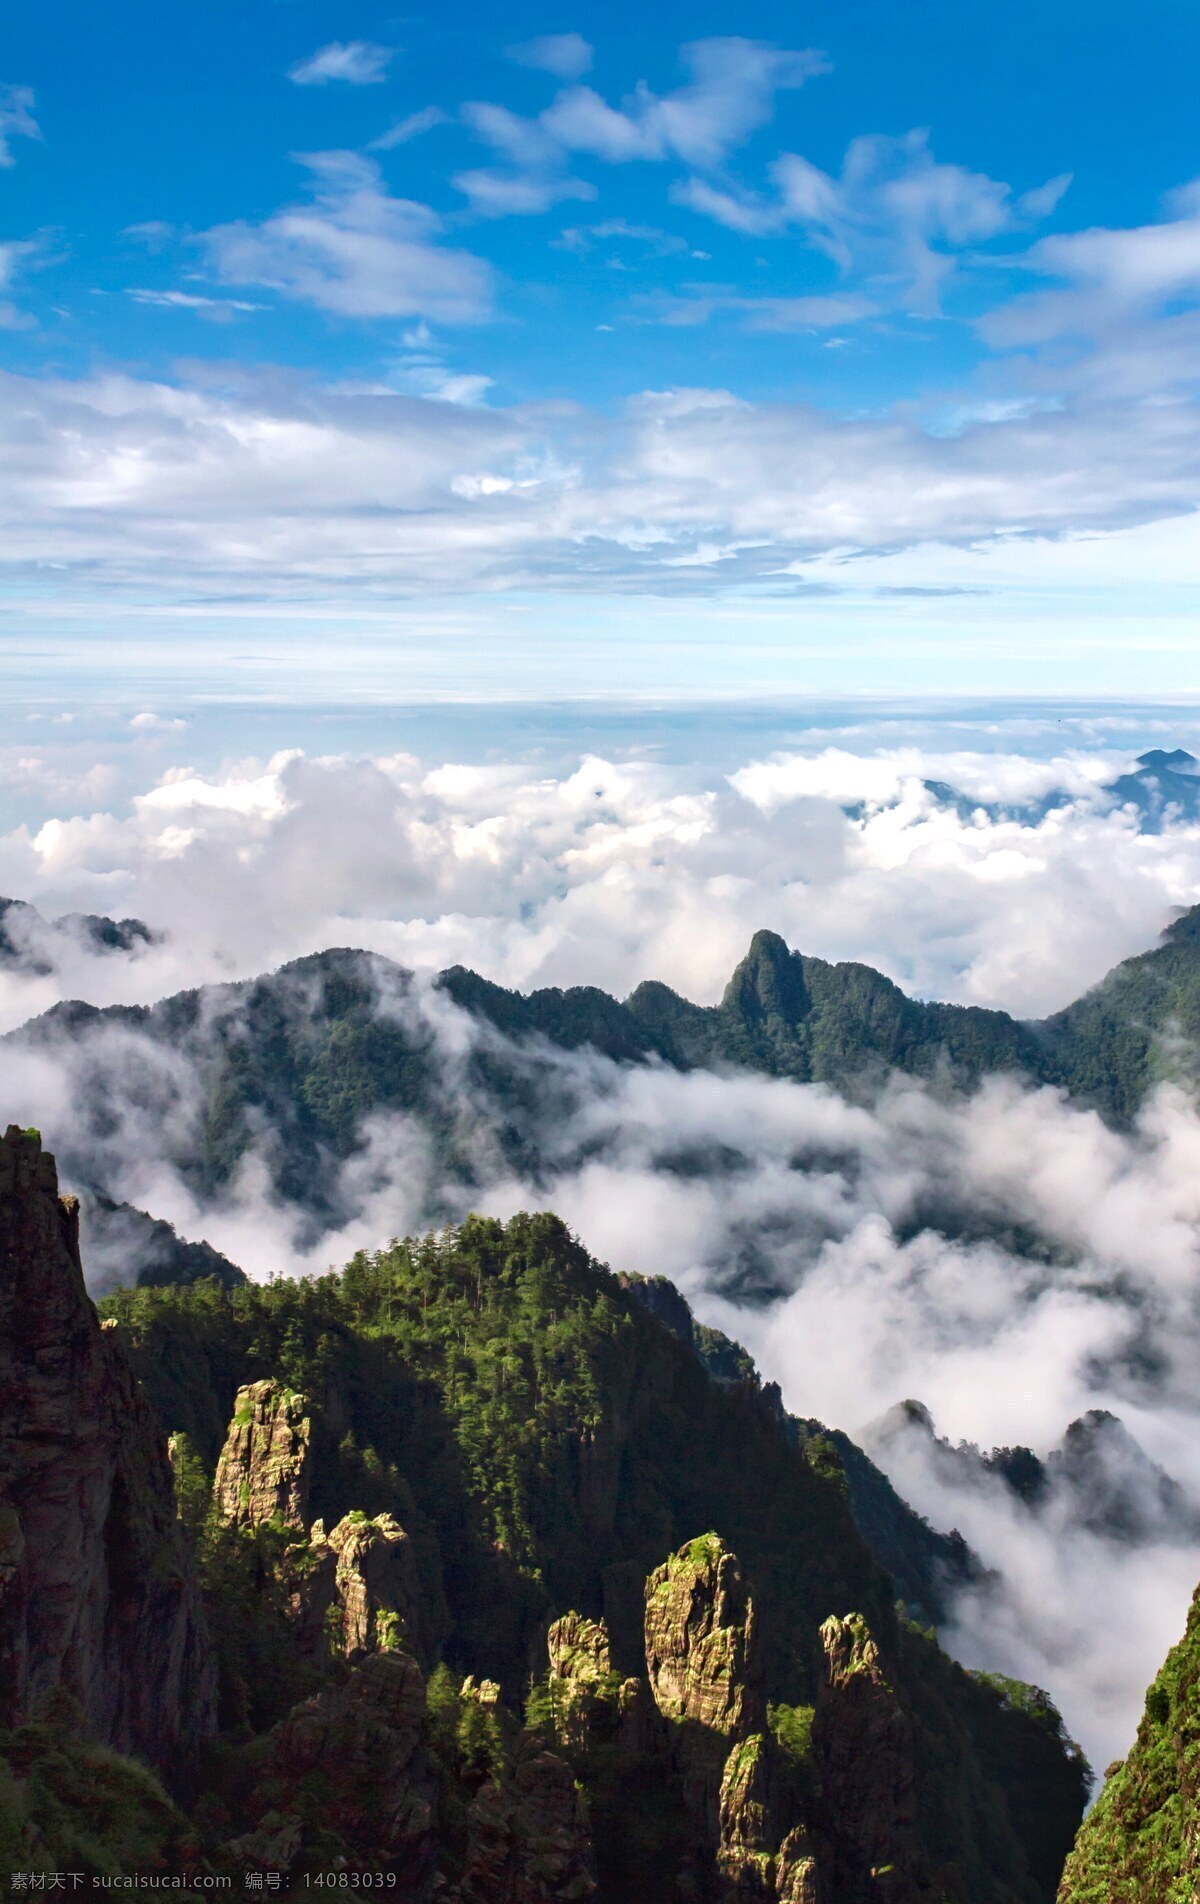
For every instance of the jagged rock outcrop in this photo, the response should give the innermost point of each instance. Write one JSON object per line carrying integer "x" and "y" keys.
{"x": 265, "y": 1469}
{"x": 591, "y": 1703}
{"x": 97, "y": 1591}
{"x": 796, "y": 1876}
{"x": 745, "y": 1865}
{"x": 704, "y": 1666}
{"x": 375, "y": 1583}
{"x": 353, "y": 1590}
{"x": 864, "y": 1750}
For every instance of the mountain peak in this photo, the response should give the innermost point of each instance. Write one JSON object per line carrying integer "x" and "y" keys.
{"x": 769, "y": 982}
{"x": 1177, "y": 761}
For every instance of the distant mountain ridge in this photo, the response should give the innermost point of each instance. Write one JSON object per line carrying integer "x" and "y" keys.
{"x": 30, "y": 942}
{"x": 298, "y": 1060}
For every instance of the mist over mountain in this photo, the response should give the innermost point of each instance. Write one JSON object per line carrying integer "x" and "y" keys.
{"x": 32, "y": 944}
{"x": 816, "y": 1160}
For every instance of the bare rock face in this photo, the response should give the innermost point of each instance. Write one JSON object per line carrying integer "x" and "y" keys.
{"x": 796, "y": 1876}
{"x": 265, "y": 1469}
{"x": 97, "y": 1591}
{"x": 745, "y": 1865}
{"x": 702, "y": 1657}
{"x": 864, "y": 1749}
{"x": 375, "y": 1583}
{"x": 529, "y": 1841}
{"x": 591, "y": 1703}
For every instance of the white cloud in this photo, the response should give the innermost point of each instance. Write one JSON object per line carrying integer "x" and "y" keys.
{"x": 615, "y": 872}
{"x": 408, "y": 128}
{"x": 352, "y": 62}
{"x": 731, "y": 93}
{"x": 353, "y": 250}
{"x": 894, "y": 213}
{"x": 217, "y": 310}
{"x": 271, "y": 485}
{"x": 16, "y": 120}
{"x": 566, "y": 55}
{"x": 1124, "y": 320}
{"x": 505, "y": 194}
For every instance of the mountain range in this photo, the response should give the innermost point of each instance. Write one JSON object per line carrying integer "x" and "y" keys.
{"x": 295, "y": 1064}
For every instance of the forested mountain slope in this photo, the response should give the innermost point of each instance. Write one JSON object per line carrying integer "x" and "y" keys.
{"x": 1140, "y": 1844}
{"x": 509, "y": 1597}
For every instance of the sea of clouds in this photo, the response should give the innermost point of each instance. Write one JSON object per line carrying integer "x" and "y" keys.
{"x": 864, "y": 1252}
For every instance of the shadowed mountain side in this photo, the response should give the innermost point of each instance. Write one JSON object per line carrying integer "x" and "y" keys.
{"x": 123, "y": 1245}
{"x": 925, "y": 1566}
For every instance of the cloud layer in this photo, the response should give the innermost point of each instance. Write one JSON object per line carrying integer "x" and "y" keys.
{"x": 608, "y": 871}
{"x": 276, "y": 487}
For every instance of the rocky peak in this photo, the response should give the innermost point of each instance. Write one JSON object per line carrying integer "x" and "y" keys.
{"x": 591, "y": 1702}
{"x": 702, "y": 1646}
{"x": 579, "y": 1648}
{"x": 769, "y": 983}
{"x": 864, "y": 1746}
{"x": 97, "y": 1592}
{"x": 265, "y": 1469}
{"x": 375, "y": 1582}
{"x": 704, "y": 1667}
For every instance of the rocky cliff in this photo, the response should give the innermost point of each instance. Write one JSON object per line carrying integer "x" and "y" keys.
{"x": 98, "y": 1596}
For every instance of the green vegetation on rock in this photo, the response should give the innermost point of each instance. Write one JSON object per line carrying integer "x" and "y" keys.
{"x": 1140, "y": 1843}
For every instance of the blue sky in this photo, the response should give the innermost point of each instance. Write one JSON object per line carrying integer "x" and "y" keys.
{"x": 351, "y": 350}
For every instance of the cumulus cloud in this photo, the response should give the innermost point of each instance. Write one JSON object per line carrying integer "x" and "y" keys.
{"x": 354, "y": 250}
{"x": 353, "y": 62}
{"x": 608, "y": 871}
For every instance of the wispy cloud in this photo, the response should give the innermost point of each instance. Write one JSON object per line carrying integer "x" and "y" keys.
{"x": 566, "y": 55}
{"x": 353, "y": 250}
{"x": 217, "y": 310}
{"x": 16, "y": 120}
{"x": 893, "y": 213}
{"x": 730, "y": 94}
{"x": 1125, "y": 312}
{"x": 409, "y": 128}
{"x": 494, "y": 194}
{"x": 350, "y": 62}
